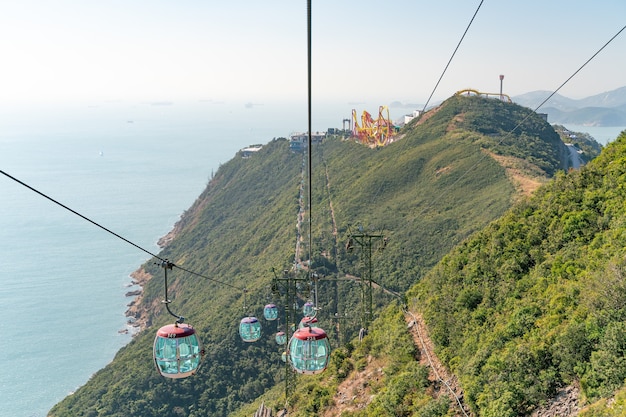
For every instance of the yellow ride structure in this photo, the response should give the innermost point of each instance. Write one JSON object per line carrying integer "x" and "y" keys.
{"x": 373, "y": 132}
{"x": 472, "y": 92}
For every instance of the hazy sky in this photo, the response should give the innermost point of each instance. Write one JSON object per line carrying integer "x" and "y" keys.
{"x": 256, "y": 50}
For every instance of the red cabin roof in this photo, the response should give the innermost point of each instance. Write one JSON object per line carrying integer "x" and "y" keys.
{"x": 249, "y": 320}
{"x": 310, "y": 333}
{"x": 174, "y": 331}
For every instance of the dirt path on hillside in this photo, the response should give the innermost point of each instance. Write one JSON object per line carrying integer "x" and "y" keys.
{"x": 442, "y": 381}
{"x": 330, "y": 202}
{"x": 355, "y": 392}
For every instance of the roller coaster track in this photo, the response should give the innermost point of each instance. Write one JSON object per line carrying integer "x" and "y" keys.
{"x": 471, "y": 92}
{"x": 373, "y": 132}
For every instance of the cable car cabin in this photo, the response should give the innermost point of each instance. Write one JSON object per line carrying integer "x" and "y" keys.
{"x": 281, "y": 338}
{"x": 308, "y": 309}
{"x": 177, "y": 351}
{"x": 270, "y": 312}
{"x": 309, "y": 350}
{"x": 250, "y": 329}
{"x": 307, "y": 321}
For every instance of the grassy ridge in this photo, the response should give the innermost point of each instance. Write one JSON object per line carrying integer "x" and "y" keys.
{"x": 428, "y": 192}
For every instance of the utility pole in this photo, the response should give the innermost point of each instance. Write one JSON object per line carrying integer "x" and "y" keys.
{"x": 501, "y": 79}
{"x": 365, "y": 241}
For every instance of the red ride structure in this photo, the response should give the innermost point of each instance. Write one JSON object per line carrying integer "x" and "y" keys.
{"x": 373, "y": 132}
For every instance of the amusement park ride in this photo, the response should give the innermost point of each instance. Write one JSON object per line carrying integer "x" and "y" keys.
{"x": 472, "y": 92}
{"x": 373, "y": 132}
{"x": 380, "y": 131}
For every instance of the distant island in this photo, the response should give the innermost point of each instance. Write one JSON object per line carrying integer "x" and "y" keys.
{"x": 606, "y": 109}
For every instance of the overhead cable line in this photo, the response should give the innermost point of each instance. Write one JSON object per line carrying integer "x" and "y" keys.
{"x": 209, "y": 278}
{"x": 163, "y": 261}
{"x": 579, "y": 69}
{"x": 449, "y": 61}
{"x": 452, "y": 56}
{"x": 309, "y": 139}
{"x": 310, "y": 146}
{"x": 80, "y": 215}
{"x": 509, "y": 133}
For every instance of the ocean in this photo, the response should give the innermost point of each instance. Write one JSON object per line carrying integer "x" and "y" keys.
{"x": 602, "y": 134}
{"x": 131, "y": 167}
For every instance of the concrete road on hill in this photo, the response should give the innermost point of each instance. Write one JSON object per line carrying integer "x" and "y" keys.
{"x": 574, "y": 156}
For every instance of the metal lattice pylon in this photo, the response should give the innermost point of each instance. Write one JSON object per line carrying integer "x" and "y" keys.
{"x": 365, "y": 243}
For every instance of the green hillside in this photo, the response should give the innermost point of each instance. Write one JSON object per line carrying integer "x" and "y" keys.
{"x": 448, "y": 176}
{"x": 536, "y": 301}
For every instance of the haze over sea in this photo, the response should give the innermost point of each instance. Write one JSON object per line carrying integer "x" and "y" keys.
{"x": 131, "y": 167}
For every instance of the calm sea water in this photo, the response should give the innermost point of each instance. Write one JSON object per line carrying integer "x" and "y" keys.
{"x": 131, "y": 167}
{"x": 603, "y": 135}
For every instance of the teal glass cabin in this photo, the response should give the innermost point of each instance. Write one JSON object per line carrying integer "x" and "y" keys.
{"x": 250, "y": 329}
{"x": 308, "y": 309}
{"x": 177, "y": 351}
{"x": 281, "y": 338}
{"x": 270, "y": 312}
{"x": 309, "y": 350}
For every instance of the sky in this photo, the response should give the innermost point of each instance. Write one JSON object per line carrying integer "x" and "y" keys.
{"x": 256, "y": 51}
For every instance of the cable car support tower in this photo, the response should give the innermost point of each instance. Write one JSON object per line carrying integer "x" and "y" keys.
{"x": 365, "y": 242}
{"x": 286, "y": 287}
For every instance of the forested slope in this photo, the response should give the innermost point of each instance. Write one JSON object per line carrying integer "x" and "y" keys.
{"x": 427, "y": 192}
{"x": 536, "y": 300}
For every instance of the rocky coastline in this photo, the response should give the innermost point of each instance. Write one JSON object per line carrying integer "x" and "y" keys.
{"x": 138, "y": 317}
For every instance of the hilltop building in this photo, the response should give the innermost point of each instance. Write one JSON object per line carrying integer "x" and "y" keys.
{"x": 250, "y": 150}
{"x": 298, "y": 141}
{"x": 409, "y": 117}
